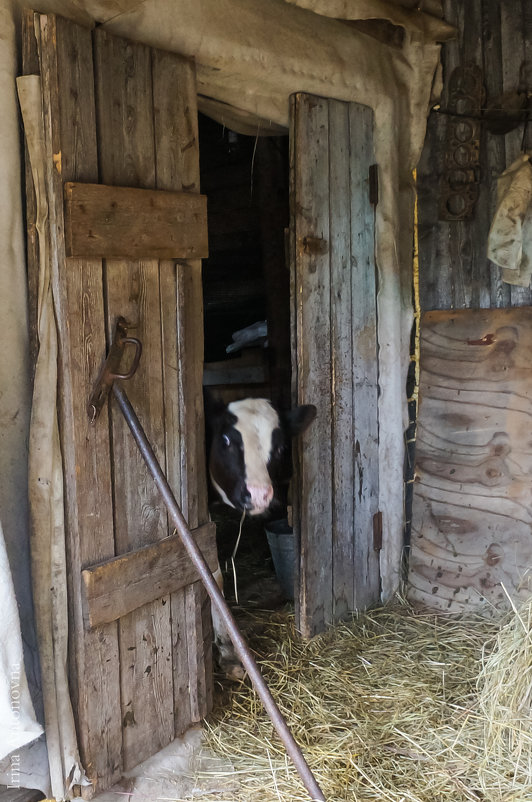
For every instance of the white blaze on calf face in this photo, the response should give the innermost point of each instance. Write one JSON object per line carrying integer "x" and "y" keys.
{"x": 256, "y": 420}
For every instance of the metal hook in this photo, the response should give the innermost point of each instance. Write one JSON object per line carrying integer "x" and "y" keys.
{"x": 111, "y": 367}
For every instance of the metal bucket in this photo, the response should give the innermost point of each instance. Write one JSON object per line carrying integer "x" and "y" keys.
{"x": 281, "y": 541}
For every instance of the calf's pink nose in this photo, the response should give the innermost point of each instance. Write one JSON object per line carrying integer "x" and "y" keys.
{"x": 261, "y": 497}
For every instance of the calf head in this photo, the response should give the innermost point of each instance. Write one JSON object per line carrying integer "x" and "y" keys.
{"x": 249, "y": 447}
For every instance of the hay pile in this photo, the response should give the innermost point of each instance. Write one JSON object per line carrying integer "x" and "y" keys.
{"x": 395, "y": 706}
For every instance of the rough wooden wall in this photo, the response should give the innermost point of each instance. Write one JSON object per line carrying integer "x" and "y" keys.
{"x": 496, "y": 35}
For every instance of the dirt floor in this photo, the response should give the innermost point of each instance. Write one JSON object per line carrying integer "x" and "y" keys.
{"x": 256, "y": 583}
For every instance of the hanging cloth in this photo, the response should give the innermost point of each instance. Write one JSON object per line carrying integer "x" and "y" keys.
{"x": 510, "y": 236}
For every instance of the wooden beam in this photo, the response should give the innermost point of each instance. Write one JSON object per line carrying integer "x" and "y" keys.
{"x": 116, "y": 587}
{"x": 251, "y": 368}
{"x": 129, "y": 223}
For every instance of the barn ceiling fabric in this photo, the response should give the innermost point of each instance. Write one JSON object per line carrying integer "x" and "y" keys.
{"x": 251, "y": 55}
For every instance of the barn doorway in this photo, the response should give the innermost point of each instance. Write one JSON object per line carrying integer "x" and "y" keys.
{"x": 292, "y": 238}
{"x": 246, "y": 287}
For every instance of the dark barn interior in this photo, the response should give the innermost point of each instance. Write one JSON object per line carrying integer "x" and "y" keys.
{"x": 245, "y": 282}
{"x": 246, "y": 277}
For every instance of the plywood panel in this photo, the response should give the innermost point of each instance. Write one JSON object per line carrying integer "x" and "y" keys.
{"x": 472, "y": 498}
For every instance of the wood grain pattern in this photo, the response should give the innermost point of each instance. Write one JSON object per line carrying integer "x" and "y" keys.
{"x": 311, "y": 192}
{"x": 128, "y": 223}
{"x": 68, "y": 105}
{"x": 472, "y": 497}
{"x": 341, "y": 326}
{"x": 177, "y": 168}
{"x": 116, "y": 587}
{"x": 365, "y": 360}
{"x": 333, "y": 297}
{"x": 31, "y": 66}
{"x": 126, "y": 150}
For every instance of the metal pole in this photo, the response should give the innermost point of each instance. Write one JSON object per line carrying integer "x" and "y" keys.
{"x": 216, "y": 596}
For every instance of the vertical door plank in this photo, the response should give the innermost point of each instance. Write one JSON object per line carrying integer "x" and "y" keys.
{"x": 334, "y": 347}
{"x": 494, "y": 150}
{"x": 190, "y": 361}
{"x": 124, "y": 111}
{"x": 364, "y": 355}
{"x": 68, "y": 103}
{"x": 342, "y": 411}
{"x": 313, "y": 355}
{"x": 177, "y": 168}
{"x": 126, "y": 150}
{"x": 290, "y": 236}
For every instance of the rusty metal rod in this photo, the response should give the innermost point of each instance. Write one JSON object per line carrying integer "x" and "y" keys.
{"x": 216, "y": 596}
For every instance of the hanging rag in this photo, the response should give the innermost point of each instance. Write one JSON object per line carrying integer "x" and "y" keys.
{"x": 510, "y": 236}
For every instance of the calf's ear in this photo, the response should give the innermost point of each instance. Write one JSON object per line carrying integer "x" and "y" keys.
{"x": 300, "y": 418}
{"x": 213, "y": 407}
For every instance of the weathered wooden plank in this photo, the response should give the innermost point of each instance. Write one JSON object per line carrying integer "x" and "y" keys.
{"x": 127, "y": 223}
{"x": 334, "y": 334}
{"x": 126, "y": 151}
{"x": 364, "y": 351}
{"x": 118, "y": 586}
{"x": 250, "y": 368}
{"x": 295, "y": 512}
{"x": 68, "y": 105}
{"x": 493, "y": 155}
{"x": 472, "y": 497}
{"x": 342, "y": 411}
{"x": 526, "y": 72}
{"x": 454, "y": 270}
{"x": 469, "y": 236}
{"x": 312, "y": 291}
{"x": 190, "y": 372}
{"x": 31, "y": 66}
{"x": 177, "y": 167}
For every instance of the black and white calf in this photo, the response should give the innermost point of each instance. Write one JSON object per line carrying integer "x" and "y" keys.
{"x": 249, "y": 453}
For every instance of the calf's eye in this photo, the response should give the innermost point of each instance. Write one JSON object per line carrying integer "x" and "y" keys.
{"x": 226, "y": 440}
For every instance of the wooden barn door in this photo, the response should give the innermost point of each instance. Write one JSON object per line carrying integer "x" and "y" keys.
{"x": 121, "y": 114}
{"x": 334, "y": 366}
